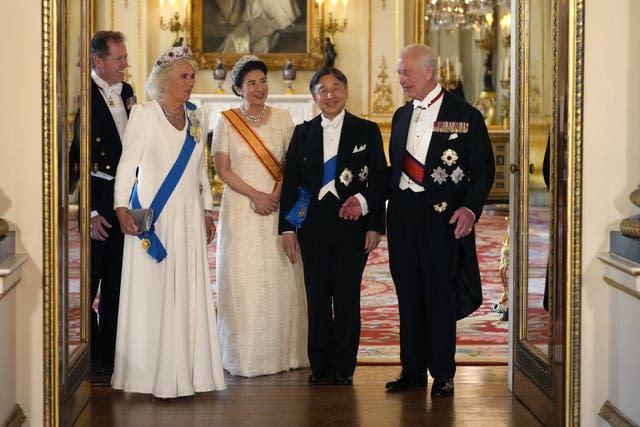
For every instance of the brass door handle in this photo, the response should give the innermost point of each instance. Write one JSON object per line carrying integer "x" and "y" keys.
{"x": 513, "y": 168}
{"x": 531, "y": 168}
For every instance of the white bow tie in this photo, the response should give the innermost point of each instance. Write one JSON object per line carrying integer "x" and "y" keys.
{"x": 419, "y": 104}
{"x": 116, "y": 88}
{"x": 329, "y": 123}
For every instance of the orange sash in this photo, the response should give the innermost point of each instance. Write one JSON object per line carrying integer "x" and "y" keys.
{"x": 256, "y": 144}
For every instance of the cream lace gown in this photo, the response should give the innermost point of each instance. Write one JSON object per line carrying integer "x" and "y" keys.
{"x": 166, "y": 343}
{"x": 262, "y": 311}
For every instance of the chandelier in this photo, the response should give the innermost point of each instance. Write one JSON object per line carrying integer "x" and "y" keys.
{"x": 448, "y": 15}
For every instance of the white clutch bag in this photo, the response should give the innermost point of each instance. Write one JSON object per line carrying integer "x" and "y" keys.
{"x": 142, "y": 217}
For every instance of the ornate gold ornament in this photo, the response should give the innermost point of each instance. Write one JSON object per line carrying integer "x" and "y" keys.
{"x": 382, "y": 94}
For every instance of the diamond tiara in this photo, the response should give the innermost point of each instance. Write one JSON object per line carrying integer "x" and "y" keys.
{"x": 174, "y": 54}
{"x": 239, "y": 65}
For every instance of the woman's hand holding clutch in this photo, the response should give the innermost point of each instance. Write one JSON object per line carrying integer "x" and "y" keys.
{"x": 127, "y": 223}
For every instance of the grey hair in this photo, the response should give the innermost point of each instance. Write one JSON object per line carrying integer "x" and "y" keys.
{"x": 423, "y": 54}
{"x": 158, "y": 81}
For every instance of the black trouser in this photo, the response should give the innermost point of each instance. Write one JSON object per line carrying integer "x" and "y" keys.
{"x": 334, "y": 258}
{"x": 106, "y": 269}
{"x": 422, "y": 259}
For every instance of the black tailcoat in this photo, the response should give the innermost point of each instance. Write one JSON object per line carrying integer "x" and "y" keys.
{"x": 332, "y": 249}
{"x": 446, "y": 279}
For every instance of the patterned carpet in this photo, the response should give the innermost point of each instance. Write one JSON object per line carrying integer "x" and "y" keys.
{"x": 481, "y": 339}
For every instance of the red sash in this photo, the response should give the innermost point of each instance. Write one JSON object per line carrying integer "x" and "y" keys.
{"x": 413, "y": 169}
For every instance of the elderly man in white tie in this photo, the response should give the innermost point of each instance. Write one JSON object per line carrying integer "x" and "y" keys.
{"x": 442, "y": 169}
{"x": 329, "y": 161}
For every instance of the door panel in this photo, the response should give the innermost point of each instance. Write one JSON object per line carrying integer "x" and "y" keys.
{"x": 546, "y": 208}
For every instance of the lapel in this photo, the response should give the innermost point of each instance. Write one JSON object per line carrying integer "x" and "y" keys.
{"x": 404, "y": 120}
{"x": 316, "y": 153}
{"x": 346, "y": 144}
{"x": 100, "y": 108}
{"x": 446, "y": 113}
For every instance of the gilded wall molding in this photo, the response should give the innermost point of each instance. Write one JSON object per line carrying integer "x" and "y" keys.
{"x": 382, "y": 92}
{"x": 50, "y": 379}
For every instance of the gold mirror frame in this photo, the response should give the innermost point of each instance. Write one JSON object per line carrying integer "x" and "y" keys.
{"x": 550, "y": 384}
{"x": 309, "y": 60}
{"x": 66, "y": 389}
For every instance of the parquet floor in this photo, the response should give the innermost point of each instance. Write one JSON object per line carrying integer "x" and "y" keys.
{"x": 481, "y": 399}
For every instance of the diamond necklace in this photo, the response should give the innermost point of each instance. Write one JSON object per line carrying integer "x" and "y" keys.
{"x": 174, "y": 119}
{"x": 258, "y": 117}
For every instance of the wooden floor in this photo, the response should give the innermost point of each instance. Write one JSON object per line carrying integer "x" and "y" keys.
{"x": 481, "y": 399}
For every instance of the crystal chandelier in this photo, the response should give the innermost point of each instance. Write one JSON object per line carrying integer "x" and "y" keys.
{"x": 448, "y": 15}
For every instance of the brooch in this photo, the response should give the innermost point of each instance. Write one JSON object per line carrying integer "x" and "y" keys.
{"x": 449, "y": 157}
{"x": 194, "y": 128}
{"x": 440, "y": 207}
{"x": 439, "y": 175}
{"x": 364, "y": 173}
{"x": 346, "y": 176}
{"x": 457, "y": 175}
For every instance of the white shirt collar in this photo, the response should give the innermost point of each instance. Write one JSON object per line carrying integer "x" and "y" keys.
{"x": 336, "y": 122}
{"x": 116, "y": 88}
{"x": 424, "y": 103}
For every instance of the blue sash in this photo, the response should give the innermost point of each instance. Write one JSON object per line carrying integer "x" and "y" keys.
{"x": 329, "y": 170}
{"x": 150, "y": 241}
{"x": 298, "y": 212}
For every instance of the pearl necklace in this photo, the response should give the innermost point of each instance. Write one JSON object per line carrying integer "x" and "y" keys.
{"x": 258, "y": 117}
{"x": 174, "y": 119}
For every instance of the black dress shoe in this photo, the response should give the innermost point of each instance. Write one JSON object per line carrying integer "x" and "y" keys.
{"x": 101, "y": 368}
{"x": 406, "y": 381}
{"x": 442, "y": 387}
{"x": 319, "y": 378}
{"x": 340, "y": 380}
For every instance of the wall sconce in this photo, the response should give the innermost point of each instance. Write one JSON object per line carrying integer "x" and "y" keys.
{"x": 174, "y": 25}
{"x": 332, "y": 24}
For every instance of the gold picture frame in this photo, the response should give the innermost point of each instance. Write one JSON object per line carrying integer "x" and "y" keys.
{"x": 309, "y": 59}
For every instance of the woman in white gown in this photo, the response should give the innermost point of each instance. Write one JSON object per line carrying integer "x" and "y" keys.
{"x": 166, "y": 342}
{"x": 262, "y": 313}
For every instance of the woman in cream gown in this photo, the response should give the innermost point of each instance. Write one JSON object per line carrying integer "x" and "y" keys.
{"x": 166, "y": 342}
{"x": 262, "y": 317}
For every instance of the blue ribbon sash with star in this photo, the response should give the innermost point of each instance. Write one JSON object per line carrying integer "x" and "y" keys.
{"x": 150, "y": 241}
{"x": 298, "y": 212}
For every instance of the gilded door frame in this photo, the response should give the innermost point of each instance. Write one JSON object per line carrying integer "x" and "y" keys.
{"x": 558, "y": 381}
{"x": 65, "y": 387}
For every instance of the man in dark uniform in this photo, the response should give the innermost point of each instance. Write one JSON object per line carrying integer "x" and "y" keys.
{"x": 442, "y": 169}
{"x": 331, "y": 157}
{"x": 111, "y": 102}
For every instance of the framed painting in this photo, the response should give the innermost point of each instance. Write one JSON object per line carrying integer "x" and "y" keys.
{"x": 274, "y": 30}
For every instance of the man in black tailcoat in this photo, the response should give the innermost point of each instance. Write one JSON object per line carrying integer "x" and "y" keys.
{"x": 442, "y": 169}
{"x": 111, "y": 102}
{"x": 331, "y": 157}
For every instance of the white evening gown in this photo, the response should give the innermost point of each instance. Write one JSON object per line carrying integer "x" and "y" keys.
{"x": 262, "y": 311}
{"x": 166, "y": 343}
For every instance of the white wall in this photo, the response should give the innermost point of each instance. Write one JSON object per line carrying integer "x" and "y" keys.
{"x": 21, "y": 188}
{"x": 611, "y": 158}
